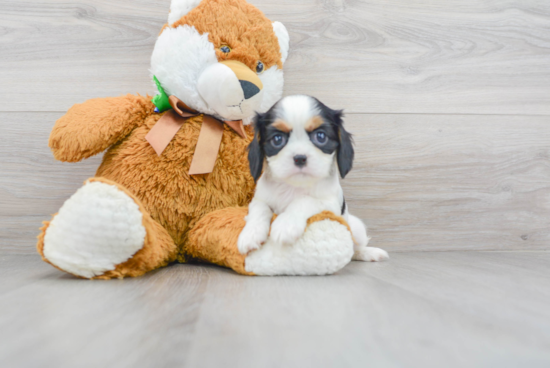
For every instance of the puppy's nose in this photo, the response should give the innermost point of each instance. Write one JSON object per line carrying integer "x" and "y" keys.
{"x": 249, "y": 89}
{"x": 300, "y": 160}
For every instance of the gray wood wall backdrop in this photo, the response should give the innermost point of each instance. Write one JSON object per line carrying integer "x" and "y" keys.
{"x": 449, "y": 101}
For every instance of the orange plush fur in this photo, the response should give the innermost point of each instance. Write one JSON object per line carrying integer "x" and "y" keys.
{"x": 180, "y": 212}
{"x": 223, "y": 20}
{"x": 170, "y": 196}
{"x": 185, "y": 217}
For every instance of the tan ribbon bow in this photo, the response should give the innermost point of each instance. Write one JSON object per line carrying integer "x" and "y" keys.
{"x": 210, "y": 136}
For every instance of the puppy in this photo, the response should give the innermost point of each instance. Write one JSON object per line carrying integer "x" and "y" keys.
{"x": 305, "y": 146}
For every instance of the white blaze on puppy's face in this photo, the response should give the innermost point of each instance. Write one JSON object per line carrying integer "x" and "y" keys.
{"x": 302, "y": 141}
{"x": 297, "y": 112}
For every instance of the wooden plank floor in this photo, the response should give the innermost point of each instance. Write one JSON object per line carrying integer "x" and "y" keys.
{"x": 422, "y": 309}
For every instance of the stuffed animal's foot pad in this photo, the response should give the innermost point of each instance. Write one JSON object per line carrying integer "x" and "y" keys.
{"x": 370, "y": 254}
{"x": 96, "y": 229}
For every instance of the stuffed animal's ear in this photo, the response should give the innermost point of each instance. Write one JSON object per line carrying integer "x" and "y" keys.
{"x": 345, "y": 149}
{"x": 179, "y": 8}
{"x": 256, "y": 154}
{"x": 284, "y": 39}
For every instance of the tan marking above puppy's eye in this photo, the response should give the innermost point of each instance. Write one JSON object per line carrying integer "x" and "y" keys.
{"x": 314, "y": 123}
{"x": 282, "y": 126}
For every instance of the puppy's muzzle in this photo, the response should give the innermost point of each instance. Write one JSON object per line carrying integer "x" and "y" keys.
{"x": 300, "y": 160}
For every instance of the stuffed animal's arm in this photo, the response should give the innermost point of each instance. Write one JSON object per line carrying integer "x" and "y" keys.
{"x": 90, "y": 128}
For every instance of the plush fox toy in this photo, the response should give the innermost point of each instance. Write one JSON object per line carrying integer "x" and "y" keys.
{"x": 175, "y": 181}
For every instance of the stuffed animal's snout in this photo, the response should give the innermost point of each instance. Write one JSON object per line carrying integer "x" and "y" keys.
{"x": 232, "y": 89}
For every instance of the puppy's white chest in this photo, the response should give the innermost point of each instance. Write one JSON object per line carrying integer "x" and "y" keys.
{"x": 282, "y": 196}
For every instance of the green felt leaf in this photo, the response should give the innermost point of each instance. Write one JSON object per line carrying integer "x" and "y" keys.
{"x": 161, "y": 100}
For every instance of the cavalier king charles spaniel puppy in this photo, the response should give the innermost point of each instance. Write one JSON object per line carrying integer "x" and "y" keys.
{"x": 305, "y": 148}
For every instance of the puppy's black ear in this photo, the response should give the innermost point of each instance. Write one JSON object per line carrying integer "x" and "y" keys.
{"x": 256, "y": 153}
{"x": 345, "y": 147}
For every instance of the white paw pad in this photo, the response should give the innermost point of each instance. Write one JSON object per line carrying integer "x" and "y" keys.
{"x": 96, "y": 229}
{"x": 370, "y": 254}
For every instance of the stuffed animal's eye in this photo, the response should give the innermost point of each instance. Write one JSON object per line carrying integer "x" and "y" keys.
{"x": 260, "y": 67}
{"x": 225, "y": 49}
{"x": 320, "y": 138}
{"x": 278, "y": 140}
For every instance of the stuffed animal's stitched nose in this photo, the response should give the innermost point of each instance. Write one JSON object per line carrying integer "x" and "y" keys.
{"x": 249, "y": 89}
{"x": 300, "y": 160}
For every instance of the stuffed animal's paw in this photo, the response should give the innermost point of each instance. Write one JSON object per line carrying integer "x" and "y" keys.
{"x": 98, "y": 228}
{"x": 370, "y": 254}
{"x": 287, "y": 229}
{"x": 252, "y": 237}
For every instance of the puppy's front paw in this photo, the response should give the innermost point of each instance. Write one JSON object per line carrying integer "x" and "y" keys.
{"x": 251, "y": 238}
{"x": 370, "y": 254}
{"x": 286, "y": 229}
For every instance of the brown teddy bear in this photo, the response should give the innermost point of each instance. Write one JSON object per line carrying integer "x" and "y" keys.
{"x": 175, "y": 177}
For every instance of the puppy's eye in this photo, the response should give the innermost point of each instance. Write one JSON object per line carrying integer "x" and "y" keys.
{"x": 225, "y": 49}
{"x": 278, "y": 140}
{"x": 260, "y": 67}
{"x": 319, "y": 138}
